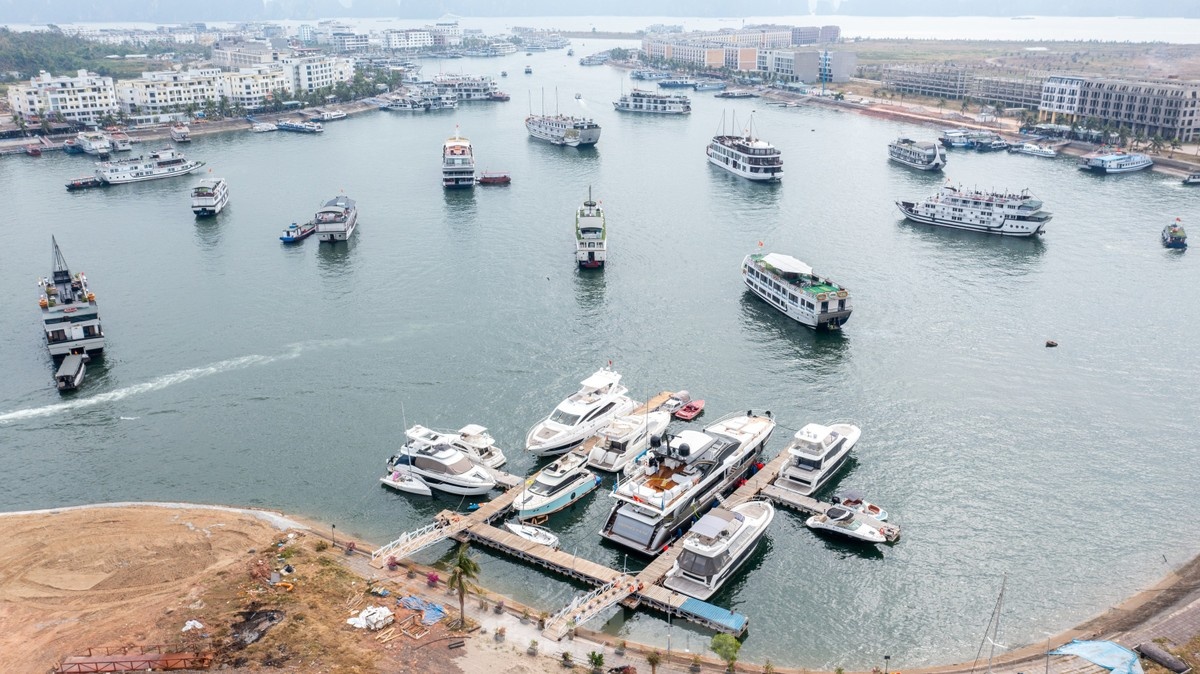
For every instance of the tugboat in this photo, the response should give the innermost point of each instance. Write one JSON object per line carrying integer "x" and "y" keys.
{"x": 70, "y": 315}
{"x": 1173, "y": 235}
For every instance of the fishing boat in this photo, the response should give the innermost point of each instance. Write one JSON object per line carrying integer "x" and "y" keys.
{"x": 1114, "y": 162}
{"x": 403, "y": 480}
{"x": 296, "y": 232}
{"x": 503, "y": 73}
{"x": 458, "y": 163}
{"x": 1003, "y": 213}
{"x": 591, "y": 235}
{"x": 494, "y": 178}
{"x": 1192, "y": 178}
{"x": 209, "y": 197}
{"x": 599, "y": 400}
{"x": 555, "y": 487}
{"x": 746, "y": 156}
{"x": 1173, "y": 235}
{"x": 70, "y": 372}
{"x": 164, "y": 163}
{"x": 690, "y": 410}
{"x": 180, "y": 133}
{"x": 922, "y": 155}
{"x": 441, "y": 467}
{"x": 791, "y": 287}
{"x": 845, "y": 522}
{"x": 85, "y": 182}
{"x": 70, "y": 314}
{"x": 472, "y": 440}
{"x": 815, "y": 454}
{"x": 1033, "y": 149}
{"x": 336, "y": 219}
{"x": 856, "y": 501}
{"x": 717, "y": 545}
{"x": 532, "y": 533}
{"x": 625, "y": 438}
{"x": 33, "y": 151}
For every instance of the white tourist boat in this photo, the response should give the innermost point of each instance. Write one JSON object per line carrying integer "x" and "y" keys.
{"x": 652, "y": 102}
{"x": 440, "y": 467}
{"x": 121, "y": 142}
{"x": 744, "y": 155}
{"x": 599, "y": 400}
{"x": 625, "y": 438}
{"x": 180, "y": 133}
{"x": 923, "y": 155}
{"x": 989, "y": 212}
{"x": 458, "y": 163}
{"x": 717, "y": 545}
{"x": 591, "y": 235}
{"x": 670, "y": 485}
{"x": 845, "y": 522}
{"x": 209, "y": 196}
{"x": 336, "y": 219}
{"x": 1115, "y": 162}
{"x": 558, "y": 485}
{"x": 70, "y": 314}
{"x": 94, "y": 143}
{"x": 468, "y": 87}
{"x": 165, "y": 163}
{"x": 472, "y": 439}
{"x": 532, "y": 533}
{"x": 815, "y": 454}
{"x": 790, "y": 286}
{"x": 1033, "y": 149}
{"x": 563, "y": 130}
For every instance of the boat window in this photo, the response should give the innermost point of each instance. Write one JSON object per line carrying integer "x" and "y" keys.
{"x": 631, "y": 529}
{"x": 600, "y": 412}
{"x": 564, "y": 418}
{"x": 546, "y": 489}
{"x": 700, "y": 565}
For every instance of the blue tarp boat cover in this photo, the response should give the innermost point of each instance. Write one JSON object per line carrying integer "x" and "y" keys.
{"x": 431, "y": 612}
{"x": 734, "y": 621}
{"x": 1108, "y": 655}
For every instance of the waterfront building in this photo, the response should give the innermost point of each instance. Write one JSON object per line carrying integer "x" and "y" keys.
{"x": 807, "y": 66}
{"x": 306, "y": 33}
{"x": 1060, "y": 96}
{"x": 161, "y": 92}
{"x": 1009, "y": 92}
{"x": 737, "y": 49}
{"x": 236, "y": 54}
{"x": 1164, "y": 108}
{"x": 251, "y": 88}
{"x": 311, "y": 73}
{"x": 936, "y": 81}
{"x": 407, "y": 39}
{"x": 86, "y": 97}
{"x": 446, "y": 32}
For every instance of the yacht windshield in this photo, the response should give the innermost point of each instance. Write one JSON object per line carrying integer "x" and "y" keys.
{"x": 700, "y": 565}
{"x": 546, "y": 489}
{"x": 564, "y": 418}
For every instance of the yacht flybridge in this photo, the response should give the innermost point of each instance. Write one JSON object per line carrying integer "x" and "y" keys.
{"x": 716, "y": 546}
{"x": 472, "y": 439}
{"x": 439, "y": 467}
{"x": 600, "y": 398}
{"x": 623, "y": 440}
{"x": 816, "y": 454}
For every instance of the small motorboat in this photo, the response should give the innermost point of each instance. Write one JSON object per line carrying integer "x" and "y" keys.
{"x": 1192, "y": 178}
{"x": 843, "y": 521}
{"x": 33, "y": 150}
{"x": 503, "y": 73}
{"x": 84, "y": 183}
{"x": 494, "y": 178}
{"x": 578, "y": 96}
{"x": 528, "y": 70}
{"x": 296, "y": 232}
{"x": 70, "y": 372}
{"x": 405, "y": 481}
{"x": 677, "y": 400}
{"x": 532, "y": 533}
{"x": 854, "y": 500}
{"x": 1173, "y": 235}
{"x": 690, "y": 410}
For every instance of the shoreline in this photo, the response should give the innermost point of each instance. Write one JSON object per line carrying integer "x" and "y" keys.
{"x": 1178, "y": 591}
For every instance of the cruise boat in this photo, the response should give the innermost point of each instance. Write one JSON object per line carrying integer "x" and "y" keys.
{"x": 441, "y": 467}
{"x": 336, "y": 219}
{"x": 296, "y": 232}
{"x": 677, "y": 83}
{"x": 736, "y": 93}
{"x": 671, "y": 484}
{"x": 845, "y": 522}
{"x": 1115, "y": 162}
{"x": 717, "y": 545}
{"x": 441, "y": 101}
{"x": 563, "y": 130}
{"x": 209, "y": 196}
{"x": 532, "y": 533}
{"x": 591, "y": 235}
{"x": 600, "y": 399}
{"x": 648, "y": 75}
{"x": 1173, "y": 235}
{"x": 70, "y": 373}
{"x": 165, "y": 163}
{"x": 94, "y": 143}
{"x": 708, "y": 86}
{"x": 746, "y": 156}
{"x": 180, "y": 133}
{"x": 472, "y": 440}
{"x": 815, "y": 454}
{"x": 922, "y": 155}
{"x": 263, "y": 127}
{"x": 458, "y": 163}
{"x": 653, "y": 103}
{"x": 955, "y": 138}
{"x": 790, "y": 286}
{"x": 121, "y": 142}
{"x": 555, "y": 487}
{"x": 989, "y": 212}
{"x": 625, "y": 438}
{"x": 300, "y": 127}
{"x": 406, "y": 104}
{"x": 332, "y": 115}
{"x": 1033, "y": 149}
{"x": 1192, "y": 178}
{"x": 70, "y": 314}
{"x": 468, "y": 87}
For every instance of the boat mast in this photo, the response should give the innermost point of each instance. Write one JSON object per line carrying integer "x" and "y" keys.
{"x": 992, "y": 631}
{"x": 61, "y": 277}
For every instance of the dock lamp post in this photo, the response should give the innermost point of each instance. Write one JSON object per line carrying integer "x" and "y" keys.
{"x": 885, "y": 663}
{"x": 333, "y": 528}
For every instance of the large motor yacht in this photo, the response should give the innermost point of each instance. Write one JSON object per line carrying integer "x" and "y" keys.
{"x": 625, "y": 438}
{"x": 790, "y": 286}
{"x": 716, "y": 546}
{"x": 70, "y": 314}
{"x": 458, "y": 163}
{"x": 600, "y": 398}
{"x": 555, "y": 487}
{"x": 337, "y": 219}
{"x": 816, "y": 454}
{"x": 472, "y": 439}
{"x": 439, "y": 467}
{"x": 591, "y": 235}
{"x": 671, "y": 484}
{"x": 746, "y": 156}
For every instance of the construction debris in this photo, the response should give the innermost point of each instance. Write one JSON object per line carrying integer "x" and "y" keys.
{"x": 372, "y": 618}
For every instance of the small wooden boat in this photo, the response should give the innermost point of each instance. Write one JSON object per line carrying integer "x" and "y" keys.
{"x": 296, "y": 232}
{"x": 84, "y": 183}
{"x": 532, "y": 533}
{"x": 690, "y": 410}
{"x": 33, "y": 150}
{"x": 406, "y": 482}
{"x": 70, "y": 373}
{"x": 494, "y": 178}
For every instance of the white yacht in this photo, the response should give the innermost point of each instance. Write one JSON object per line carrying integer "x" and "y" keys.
{"x": 1115, "y": 162}
{"x": 746, "y": 156}
{"x": 600, "y": 398}
{"x": 990, "y": 212}
{"x": 1033, "y": 149}
{"x": 70, "y": 314}
{"x": 816, "y": 453}
{"x": 922, "y": 155}
{"x": 180, "y": 133}
{"x": 591, "y": 235}
{"x": 844, "y": 522}
{"x": 165, "y": 163}
{"x": 555, "y": 487}
{"x": 458, "y": 163}
{"x": 336, "y": 219}
{"x": 563, "y": 130}
{"x": 790, "y": 286}
{"x": 440, "y": 467}
{"x": 653, "y": 102}
{"x": 625, "y": 438}
{"x": 671, "y": 484}
{"x": 472, "y": 439}
{"x": 533, "y": 533}
{"x": 716, "y": 546}
{"x": 94, "y": 143}
{"x": 209, "y": 196}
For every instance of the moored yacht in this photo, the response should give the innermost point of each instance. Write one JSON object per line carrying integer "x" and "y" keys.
{"x": 716, "y": 546}
{"x": 209, "y": 196}
{"x": 70, "y": 314}
{"x": 625, "y": 438}
{"x": 816, "y": 453}
{"x": 1033, "y": 149}
{"x": 591, "y": 235}
{"x": 990, "y": 212}
{"x": 746, "y": 156}
{"x": 790, "y": 286}
{"x": 845, "y": 522}
{"x": 563, "y": 130}
{"x": 555, "y": 487}
{"x": 165, "y": 163}
{"x": 458, "y": 163}
{"x": 653, "y": 103}
{"x": 600, "y": 398}
{"x": 337, "y": 219}
{"x": 180, "y": 133}
{"x": 440, "y": 467}
{"x": 472, "y": 440}
{"x": 94, "y": 143}
{"x": 671, "y": 484}
{"x": 922, "y": 155}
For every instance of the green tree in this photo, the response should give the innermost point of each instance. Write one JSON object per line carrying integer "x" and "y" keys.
{"x": 966, "y": 104}
{"x": 941, "y": 104}
{"x": 464, "y": 571}
{"x": 1157, "y": 144}
{"x": 1175, "y": 145}
{"x": 726, "y": 647}
{"x": 654, "y": 659}
{"x": 596, "y": 660}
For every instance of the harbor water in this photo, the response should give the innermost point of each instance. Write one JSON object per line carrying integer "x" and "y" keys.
{"x": 242, "y": 371}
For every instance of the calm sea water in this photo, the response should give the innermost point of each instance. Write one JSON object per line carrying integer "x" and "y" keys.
{"x": 241, "y": 371}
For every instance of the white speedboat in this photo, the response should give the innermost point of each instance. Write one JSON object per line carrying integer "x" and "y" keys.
{"x": 854, "y": 500}
{"x": 532, "y": 533}
{"x": 625, "y": 438}
{"x": 1033, "y": 149}
{"x": 746, "y": 156}
{"x": 336, "y": 219}
{"x": 816, "y": 454}
{"x": 843, "y": 521}
{"x": 555, "y": 487}
{"x": 716, "y": 546}
{"x": 403, "y": 480}
{"x": 180, "y": 133}
{"x": 600, "y": 398}
{"x": 1001, "y": 213}
{"x": 924, "y": 155}
{"x": 209, "y": 196}
{"x": 472, "y": 440}
{"x": 789, "y": 285}
{"x": 441, "y": 467}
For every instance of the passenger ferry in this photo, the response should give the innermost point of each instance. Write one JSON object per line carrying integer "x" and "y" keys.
{"x": 300, "y": 127}
{"x": 1115, "y": 162}
{"x": 563, "y": 130}
{"x": 746, "y": 156}
{"x": 654, "y": 103}
{"x": 180, "y": 133}
{"x": 458, "y": 163}
{"x": 922, "y": 155}
{"x": 1033, "y": 149}
{"x": 336, "y": 219}
{"x": 94, "y": 143}
{"x": 591, "y": 235}
{"x": 989, "y": 212}
{"x": 708, "y": 86}
{"x": 648, "y": 75}
{"x": 70, "y": 315}
{"x": 209, "y": 196}
{"x": 677, "y": 84}
{"x": 790, "y": 286}
{"x": 468, "y": 87}
{"x": 165, "y": 163}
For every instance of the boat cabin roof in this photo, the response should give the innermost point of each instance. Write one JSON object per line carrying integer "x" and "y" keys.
{"x": 715, "y": 522}
{"x": 839, "y": 514}
{"x": 813, "y": 439}
{"x": 338, "y": 203}
{"x": 787, "y": 264}
{"x": 601, "y": 379}
{"x": 207, "y": 184}
{"x": 70, "y": 366}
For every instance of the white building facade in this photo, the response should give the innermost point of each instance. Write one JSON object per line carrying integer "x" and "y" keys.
{"x": 253, "y": 88}
{"x": 168, "y": 91}
{"x": 86, "y": 97}
{"x": 408, "y": 39}
{"x": 312, "y": 73}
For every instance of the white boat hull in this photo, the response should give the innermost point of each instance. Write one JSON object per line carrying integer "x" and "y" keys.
{"x": 343, "y": 231}
{"x": 122, "y": 178}
{"x": 529, "y": 505}
{"x": 743, "y": 172}
{"x": 567, "y": 440}
{"x": 807, "y": 483}
{"x": 1008, "y": 227}
{"x": 932, "y": 166}
{"x": 860, "y": 533}
{"x": 404, "y": 482}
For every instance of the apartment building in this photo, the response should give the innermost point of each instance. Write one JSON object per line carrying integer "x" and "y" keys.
{"x": 407, "y": 39}
{"x": 312, "y": 73}
{"x": 251, "y": 88}
{"x": 237, "y": 54}
{"x": 933, "y": 81}
{"x": 797, "y": 65}
{"x": 1060, "y": 96}
{"x": 86, "y": 97}
{"x": 1164, "y": 108}
{"x": 167, "y": 91}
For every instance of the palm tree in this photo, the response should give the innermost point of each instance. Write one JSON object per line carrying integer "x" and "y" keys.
{"x": 1157, "y": 143}
{"x": 1139, "y": 139}
{"x": 1175, "y": 145}
{"x": 966, "y": 104}
{"x": 941, "y": 104}
{"x": 464, "y": 570}
{"x": 654, "y": 659}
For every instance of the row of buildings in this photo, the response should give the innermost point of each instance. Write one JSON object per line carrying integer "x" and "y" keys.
{"x": 767, "y": 50}
{"x": 1166, "y": 108}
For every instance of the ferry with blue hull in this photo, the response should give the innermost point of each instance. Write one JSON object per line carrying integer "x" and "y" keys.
{"x": 1115, "y": 162}
{"x": 296, "y": 233}
{"x": 555, "y": 487}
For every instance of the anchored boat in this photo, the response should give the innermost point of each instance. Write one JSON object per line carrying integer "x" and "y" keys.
{"x": 439, "y": 467}
{"x": 791, "y": 287}
{"x": 209, "y": 197}
{"x": 1173, "y": 235}
{"x": 295, "y": 233}
{"x": 458, "y": 163}
{"x": 337, "y": 219}
{"x": 1001, "y": 213}
{"x": 165, "y": 163}
{"x": 70, "y": 314}
{"x": 472, "y": 439}
{"x": 717, "y": 546}
{"x": 591, "y": 235}
{"x": 923, "y": 155}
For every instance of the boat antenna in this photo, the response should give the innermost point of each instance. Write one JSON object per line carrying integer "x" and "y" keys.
{"x": 403, "y": 418}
